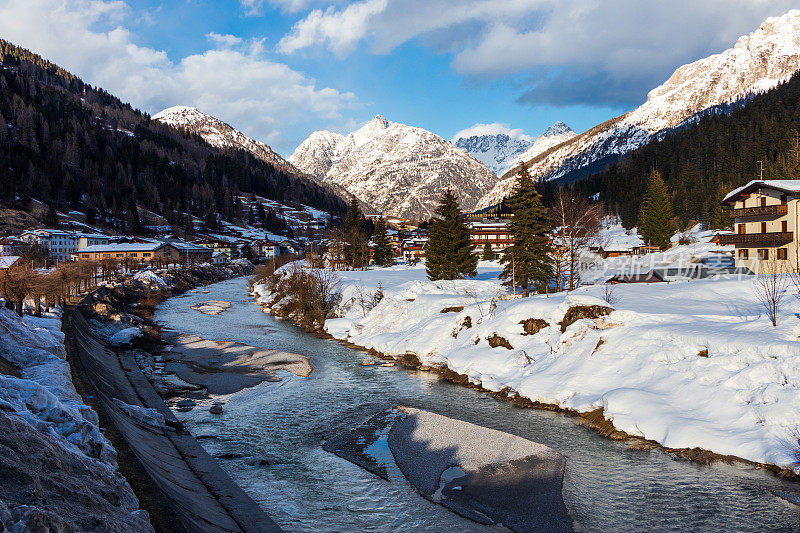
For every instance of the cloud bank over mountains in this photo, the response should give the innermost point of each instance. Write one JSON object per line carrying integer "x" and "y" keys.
{"x": 562, "y": 52}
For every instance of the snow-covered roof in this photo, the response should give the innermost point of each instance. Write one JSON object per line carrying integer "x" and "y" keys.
{"x": 8, "y": 260}
{"x": 787, "y": 186}
{"x": 123, "y": 247}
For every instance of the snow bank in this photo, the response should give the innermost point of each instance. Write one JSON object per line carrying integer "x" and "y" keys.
{"x": 46, "y": 397}
{"x": 148, "y": 277}
{"x": 124, "y": 336}
{"x": 689, "y": 364}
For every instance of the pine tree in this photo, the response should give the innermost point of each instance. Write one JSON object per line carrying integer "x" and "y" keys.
{"x": 656, "y": 213}
{"x": 527, "y": 260}
{"x": 449, "y": 250}
{"x": 488, "y": 255}
{"x": 382, "y": 255}
{"x": 51, "y": 218}
{"x": 354, "y": 252}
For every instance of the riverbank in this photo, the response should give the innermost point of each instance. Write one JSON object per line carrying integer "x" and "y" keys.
{"x": 691, "y": 368}
{"x": 121, "y": 316}
{"x": 59, "y": 471}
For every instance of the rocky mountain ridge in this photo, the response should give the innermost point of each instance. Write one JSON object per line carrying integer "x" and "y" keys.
{"x": 219, "y": 134}
{"x": 757, "y": 62}
{"x": 393, "y": 168}
{"x": 502, "y": 152}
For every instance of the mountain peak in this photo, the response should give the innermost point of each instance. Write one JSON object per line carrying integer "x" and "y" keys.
{"x": 177, "y": 110}
{"x": 559, "y": 128}
{"x": 380, "y": 119}
{"x": 394, "y": 168}
{"x": 218, "y": 133}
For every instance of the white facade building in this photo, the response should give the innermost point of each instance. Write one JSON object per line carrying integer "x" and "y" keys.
{"x": 59, "y": 244}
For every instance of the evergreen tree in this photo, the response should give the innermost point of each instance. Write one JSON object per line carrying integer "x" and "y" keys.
{"x": 355, "y": 237}
{"x": 132, "y": 218}
{"x": 656, "y": 213}
{"x": 527, "y": 261}
{"x": 382, "y": 254}
{"x": 488, "y": 255}
{"x": 51, "y": 218}
{"x": 449, "y": 250}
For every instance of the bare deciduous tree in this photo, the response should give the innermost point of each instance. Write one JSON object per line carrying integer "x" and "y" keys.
{"x": 770, "y": 287}
{"x": 577, "y": 222}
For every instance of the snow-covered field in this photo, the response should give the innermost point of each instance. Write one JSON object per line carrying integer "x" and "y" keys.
{"x": 687, "y": 364}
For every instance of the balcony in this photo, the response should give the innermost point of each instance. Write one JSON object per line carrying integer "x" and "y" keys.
{"x": 761, "y": 211}
{"x": 777, "y": 238}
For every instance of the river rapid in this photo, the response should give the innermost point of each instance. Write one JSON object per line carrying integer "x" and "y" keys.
{"x": 270, "y": 441}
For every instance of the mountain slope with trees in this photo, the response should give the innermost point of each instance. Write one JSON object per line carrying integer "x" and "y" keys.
{"x": 74, "y": 146}
{"x": 700, "y": 163}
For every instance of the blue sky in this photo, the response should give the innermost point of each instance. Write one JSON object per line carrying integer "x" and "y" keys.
{"x": 278, "y": 69}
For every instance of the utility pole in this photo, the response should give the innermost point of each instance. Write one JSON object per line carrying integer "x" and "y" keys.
{"x": 761, "y": 170}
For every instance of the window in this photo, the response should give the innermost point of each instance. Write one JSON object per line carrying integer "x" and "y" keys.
{"x": 763, "y": 201}
{"x": 744, "y": 253}
{"x": 742, "y": 229}
{"x": 120, "y": 255}
{"x": 784, "y": 226}
{"x": 763, "y": 227}
{"x": 146, "y": 254}
{"x": 106, "y": 255}
{"x": 783, "y": 199}
{"x": 134, "y": 254}
{"x": 783, "y": 254}
{"x": 763, "y": 254}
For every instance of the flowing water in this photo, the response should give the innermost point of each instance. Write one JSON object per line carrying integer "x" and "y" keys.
{"x": 269, "y": 439}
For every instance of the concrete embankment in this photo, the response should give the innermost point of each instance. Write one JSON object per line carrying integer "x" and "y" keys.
{"x": 112, "y": 335}
{"x": 199, "y": 492}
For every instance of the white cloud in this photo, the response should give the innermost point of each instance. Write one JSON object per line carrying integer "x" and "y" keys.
{"x": 340, "y": 30}
{"x": 231, "y": 80}
{"x": 623, "y": 42}
{"x": 491, "y": 129}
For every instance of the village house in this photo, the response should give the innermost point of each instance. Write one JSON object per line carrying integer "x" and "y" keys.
{"x": 189, "y": 252}
{"x": 140, "y": 252}
{"x": 59, "y": 244}
{"x": 413, "y": 250}
{"x": 218, "y": 245}
{"x": 90, "y": 239}
{"x": 266, "y": 248}
{"x": 493, "y": 232}
{"x": 766, "y": 219}
{"x": 219, "y": 258}
{"x": 11, "y": 246}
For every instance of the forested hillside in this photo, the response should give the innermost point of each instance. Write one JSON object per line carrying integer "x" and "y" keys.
{"x": 699, "y": 164}
{"x": 74, "y": 146}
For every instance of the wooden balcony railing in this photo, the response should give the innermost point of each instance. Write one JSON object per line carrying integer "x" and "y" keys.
{"x": 777, "y": 238}
{"x": 760, "y": 211}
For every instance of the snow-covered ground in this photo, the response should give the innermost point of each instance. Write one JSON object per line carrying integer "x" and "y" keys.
{"x": 613, "y": 236}
{"x": 687, "y": 364}
{"x": 45, "y": 396}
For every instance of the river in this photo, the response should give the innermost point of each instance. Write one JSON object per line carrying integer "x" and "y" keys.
{"x": 269, "y": 440}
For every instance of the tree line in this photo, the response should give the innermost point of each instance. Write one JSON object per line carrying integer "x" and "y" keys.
{"x": 74, "y": 146}
{"x": 546, "y": 241}
{"x": 701, "y": 162}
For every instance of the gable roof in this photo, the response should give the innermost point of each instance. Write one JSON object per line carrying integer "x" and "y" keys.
{"x": 7, "y": 260}
{"x": 784, "y": 186}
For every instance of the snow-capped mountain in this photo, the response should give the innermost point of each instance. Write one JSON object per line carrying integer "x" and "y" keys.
{"x": 393, "y": 168}
{"x": 219, "y": 134}
{"x": 758, "y": 62}
{"x": 502, "y": 152}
